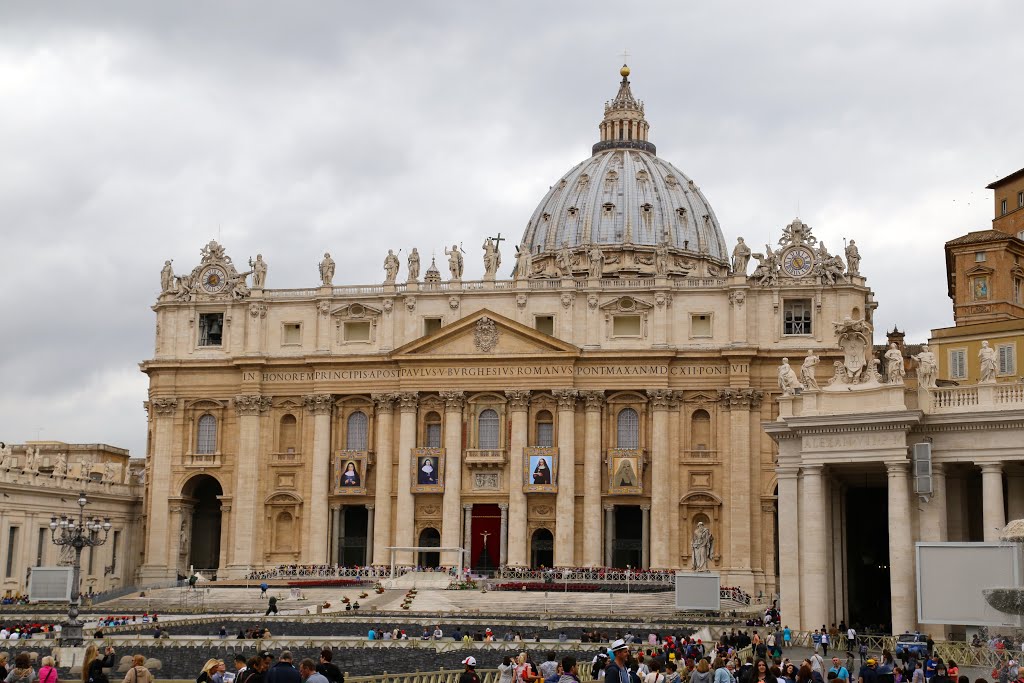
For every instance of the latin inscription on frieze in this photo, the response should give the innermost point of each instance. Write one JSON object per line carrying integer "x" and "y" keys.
{"x": 497, "y": 371}
{"x": 853, "y": 442}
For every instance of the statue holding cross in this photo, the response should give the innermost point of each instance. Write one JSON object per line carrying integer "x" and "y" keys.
{"x": 492, "y": 256}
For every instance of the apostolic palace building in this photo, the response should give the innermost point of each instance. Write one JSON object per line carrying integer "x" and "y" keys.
{"x": 590, "y": 410}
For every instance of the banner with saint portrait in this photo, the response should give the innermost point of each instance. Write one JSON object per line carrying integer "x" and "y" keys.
{"x": 428, "y": 470}
{"x": 540, "y": 470}
{"x": 625, "y": 471}
{"x": 349, "y": 473}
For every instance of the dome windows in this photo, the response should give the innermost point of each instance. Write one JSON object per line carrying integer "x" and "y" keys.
{"x": 607, "y": 208}
{"x": 671, "y": 180}
{"x": 572, "y": 211}
{"x": 643, "y": 176}
{"x": 681, "y": 212}
{"x": 611, "y": 177}
{"x": 647, "y": 207}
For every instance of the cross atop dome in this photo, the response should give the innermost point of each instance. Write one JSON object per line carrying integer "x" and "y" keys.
{"x": 624, "y": 125}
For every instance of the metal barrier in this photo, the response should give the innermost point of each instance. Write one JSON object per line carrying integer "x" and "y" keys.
{"x": 442, "y": 676}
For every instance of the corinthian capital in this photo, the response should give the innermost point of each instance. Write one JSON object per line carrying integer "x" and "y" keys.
{"x": 660, "y": 398}
{"x": 592, "y": 400}
{"x": 453, "y": 400}
{"x": 385, "y": 402}
{"x": 163, "y": 407}
{"x": 742, "y": 399}
{"x": 408, "y": 401}
{"x": 251, "y": 404}
{"x": 518, "y": 399}
{"x": 319, "y": 404}
{"x": 566, "y": 398}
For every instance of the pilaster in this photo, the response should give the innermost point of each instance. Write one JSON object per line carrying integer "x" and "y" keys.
{"x": 321, "y": 407}
{"x": 992, "y": 511}
{"x": 157, "y": 564}
{"x": 408, "y": 404}
{"x": 249, "y": 408}
{"x": 661, "y": 478}
{"x": 565, "y": 499}
{"x": 813, "y": 549}
{"x": 518, "y": 403}
{"x": 451, "y": 505}
{"x": 901, "y": 550}
{"x": 384, "y": 471}
{"x": 593, "y": 402}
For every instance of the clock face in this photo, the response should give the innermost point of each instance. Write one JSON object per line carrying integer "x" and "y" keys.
{"x": 213, "y": 279}
{"x": 797, "y": 262}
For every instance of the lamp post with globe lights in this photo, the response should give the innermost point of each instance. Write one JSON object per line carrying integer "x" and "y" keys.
{"x": 80, "y": 533}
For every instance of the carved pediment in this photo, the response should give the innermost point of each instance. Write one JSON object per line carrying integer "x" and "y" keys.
{"x": 700, "y": 499}
{"x": 356, "y": 312}
{"x": 979, "y": 269}
{"x": 626, "y": 304}
{"x": 482, "y": 334}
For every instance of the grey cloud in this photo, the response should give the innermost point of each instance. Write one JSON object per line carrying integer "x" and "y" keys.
{"x": 136, "y": 132}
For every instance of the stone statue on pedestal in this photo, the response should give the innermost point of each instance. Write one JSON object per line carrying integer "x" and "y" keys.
{"x": 492, "y": 259}
{"x": 455, "y": 263}
{"x": 740, "y": 257}
{"x": 85, "y": 468}
{"x": 5, "y": 456}
{"x": 852, "y": 259}
{"x": 60, "y": 469}
{"x": 259, "y": 271}
{"x": 927, "y": 365}
{"x": 327, "y": 270}
{"x": 987, "y": 355}
{"x": 110, "y": 471}
{"x": 414, "y": 265}
{"x": 894, "y": 371}
{"x": 31, "y": 459}
{"x": 167, "y": 281}
{"x": 391, "y": 266}
{"x": 807, "y": 370}
{"x": 788, "y": 381}
{"x": 596, "y": 257}
{"x": 703, "y": 546}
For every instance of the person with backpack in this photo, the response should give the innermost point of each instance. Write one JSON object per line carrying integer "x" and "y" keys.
{"x": 137, "y": 674}
{"x": 22, "y": 671}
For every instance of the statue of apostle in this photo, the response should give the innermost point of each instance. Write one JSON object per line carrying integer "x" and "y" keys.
{"x": 987, "y": 355}
{"x": 327, "y": 270}
{"x": 852, "y": 259}
{"x": 740, "y": 257}
{"x": 788, "y": 381}
{"x": 807, "y": 370}
{"x": 454, "y": 261}
{"x": 492, "y": 259}
{"x": 894, "y": 371}
{"x": 927, "y": 365}
{"x": 703, "y": 545}
{"x": 414, "y": 265}
{"x": 167, "y": 281}
{"x": 391, "y": 266}
{"x": 259, "y": 271}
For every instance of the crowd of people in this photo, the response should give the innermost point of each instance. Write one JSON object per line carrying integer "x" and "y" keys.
{"x": 19, "y": 631}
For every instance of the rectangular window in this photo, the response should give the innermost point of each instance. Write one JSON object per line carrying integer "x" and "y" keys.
{"x": 41, "y": 547}
{"x": 1002, "y": 207}
{"x": 357, "y": 331}
{"x": 12, "y": 548}
{"x": 545, "y": 434}
{"x": 1018, "y": 290}
{"x": 113, "y": 551}
{"x": 796, "y": 316}
{"x": 431, "y": 325}
{"x": 1007, "y": 359}
{"x": 626, "y": 326}
{"x": 1020, "y": 199}
{"x": 544, "y": 324}
{"x": 979, "y": 257}
{"x": 958, "y": 363}
{"x": 700, "y": 325}
{"x": 211, "y": 329}
{"x": 434, "y": 435}
{"x": 292, "y": 333}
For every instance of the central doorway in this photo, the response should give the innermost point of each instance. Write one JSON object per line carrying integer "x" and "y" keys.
{"x": 430, "y": 538}
{"x": 485, "y": 546}
{"x": 867, "y": 543}
{"x": 542, "y": 549}
{"x": 352, "y": 544}
{"x": 628, "y": 547}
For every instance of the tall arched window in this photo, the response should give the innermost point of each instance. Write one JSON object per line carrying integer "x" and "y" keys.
{"x": 545, "y": 429}
{"x": 356, "y": 434}
{"x": 286, "y": 435}
{"x": 488, "y": 430}
{"x": 627, "y": 432}
{"x": 206, "y": 437}
{"x": 700, "y": 430}
{"x": 432, "y": 422}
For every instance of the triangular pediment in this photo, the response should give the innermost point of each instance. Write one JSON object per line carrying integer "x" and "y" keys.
{"x": 979, "y": 270}
{"x": 485, "y": 334}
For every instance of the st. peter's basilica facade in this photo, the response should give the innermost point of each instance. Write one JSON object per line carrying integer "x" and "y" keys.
{"x": 592, "y": 410}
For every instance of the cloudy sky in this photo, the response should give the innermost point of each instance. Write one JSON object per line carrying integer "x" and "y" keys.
{"x": 135, "y": 132}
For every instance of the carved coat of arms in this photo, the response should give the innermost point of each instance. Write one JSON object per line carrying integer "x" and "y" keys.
{"x": 485, "y": 336}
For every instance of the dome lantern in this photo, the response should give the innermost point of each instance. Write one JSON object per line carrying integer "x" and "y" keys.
{"x": 624, "y": 125}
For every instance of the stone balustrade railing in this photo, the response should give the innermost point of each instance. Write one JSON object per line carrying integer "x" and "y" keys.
{"x": 586, "y": 575}
{"x": 972, "y": 399}
{"x": 442, "y": 676}
{"x": 18, "y": 476}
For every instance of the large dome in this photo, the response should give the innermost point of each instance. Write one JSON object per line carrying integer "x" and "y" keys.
{"x": 624, "y": 196}
{"x": 620, "y": 189}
